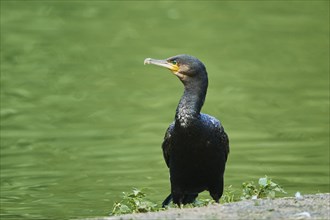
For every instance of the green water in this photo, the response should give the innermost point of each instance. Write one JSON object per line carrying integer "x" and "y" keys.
{"x": 82, "y": 119}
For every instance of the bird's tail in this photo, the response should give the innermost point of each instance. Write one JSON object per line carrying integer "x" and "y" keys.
{"x": 167, "y": 201}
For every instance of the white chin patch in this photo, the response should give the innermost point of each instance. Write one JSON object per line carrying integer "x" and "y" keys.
{"x": 180, "y": 75}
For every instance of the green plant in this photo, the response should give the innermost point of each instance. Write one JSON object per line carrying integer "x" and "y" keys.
{"x": 228, "y": 195}
{"x": 137, "y": 202}
{"x": 134, "y": 202}
{"x": 199, "y": 203}
{"x": 266, "y": 188}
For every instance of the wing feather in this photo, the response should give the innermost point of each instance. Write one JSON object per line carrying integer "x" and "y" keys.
{"x": 166, "y": 146}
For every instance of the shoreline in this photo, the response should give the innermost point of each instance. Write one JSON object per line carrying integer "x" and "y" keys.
{"x": 316, "y": 206}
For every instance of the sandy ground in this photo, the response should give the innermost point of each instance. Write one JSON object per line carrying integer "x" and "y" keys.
{"x": 306, "y": 207}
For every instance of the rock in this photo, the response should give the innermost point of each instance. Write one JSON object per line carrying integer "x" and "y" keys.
{"x": 305, "y": 207}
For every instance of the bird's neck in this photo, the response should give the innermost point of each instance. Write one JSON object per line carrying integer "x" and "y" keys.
{"x": 190, "y": 104}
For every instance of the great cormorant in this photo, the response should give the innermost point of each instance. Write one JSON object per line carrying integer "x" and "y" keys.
{"x": 195, "y": 146}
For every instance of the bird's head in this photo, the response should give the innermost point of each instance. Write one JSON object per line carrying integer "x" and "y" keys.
{"x": 188, "y": 68}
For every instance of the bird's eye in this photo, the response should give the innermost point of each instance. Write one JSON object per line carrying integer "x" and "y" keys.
{"x": 174, "y": 62}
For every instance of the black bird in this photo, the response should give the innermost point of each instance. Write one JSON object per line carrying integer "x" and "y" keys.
{"x": 195, "y": 146}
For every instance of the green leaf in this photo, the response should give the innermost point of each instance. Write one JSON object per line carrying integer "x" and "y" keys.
{"x": 271, "y": 194}
{"x": 263, "y": 181}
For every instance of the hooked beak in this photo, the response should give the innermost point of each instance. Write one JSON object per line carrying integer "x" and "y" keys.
{"x": 164, "y": 63}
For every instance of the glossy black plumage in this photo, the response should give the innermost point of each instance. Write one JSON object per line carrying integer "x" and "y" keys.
{"x": 195, "y": 146}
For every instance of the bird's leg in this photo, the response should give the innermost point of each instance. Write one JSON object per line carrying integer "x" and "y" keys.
{"x": 216, "y": 190}
{"x": 216, "y": 193}
{"x": 215, "y": 197}
{"x": 189, "y": 198}
{"x": 178, "y": 198}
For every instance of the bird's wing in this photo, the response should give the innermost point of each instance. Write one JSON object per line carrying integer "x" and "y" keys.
{"x": 220, "y": 132}
{"x": 225, "y": 141}
{"x": 166, "y": 146}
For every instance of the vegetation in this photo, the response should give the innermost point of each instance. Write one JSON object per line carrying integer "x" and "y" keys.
{"x": 266, "y": 188}
{"x": 229, "y": 195}
{"x": 134, "y": 202}
{"x": 137, "y": 202}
